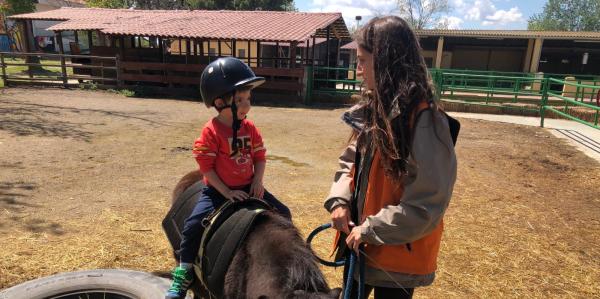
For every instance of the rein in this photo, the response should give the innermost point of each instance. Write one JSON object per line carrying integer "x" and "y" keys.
{"x": 349, "y": 265}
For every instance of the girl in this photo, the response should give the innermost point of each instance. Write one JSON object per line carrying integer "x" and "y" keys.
{"x": 397, "y": 185}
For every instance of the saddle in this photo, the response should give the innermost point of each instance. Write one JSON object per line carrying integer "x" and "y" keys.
{"x": 226, "y": 229}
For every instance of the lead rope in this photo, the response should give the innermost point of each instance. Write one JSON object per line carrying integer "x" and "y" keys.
{"x": 350, "y": 262}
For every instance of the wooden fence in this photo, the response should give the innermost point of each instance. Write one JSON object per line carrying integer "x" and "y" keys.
{"x": 107, "y": 71}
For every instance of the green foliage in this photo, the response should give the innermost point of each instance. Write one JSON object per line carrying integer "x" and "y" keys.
{"x": 127, "y": 92}
{"x": 109, "y": 3}
{"x": 568, "y": 15}
{"x": 15, "y": 7}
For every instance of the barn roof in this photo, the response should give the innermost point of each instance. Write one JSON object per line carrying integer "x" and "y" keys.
{"x": 224, "y": 24}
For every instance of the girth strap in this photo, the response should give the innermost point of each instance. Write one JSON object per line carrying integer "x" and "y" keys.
{"x": 225, "y": 234}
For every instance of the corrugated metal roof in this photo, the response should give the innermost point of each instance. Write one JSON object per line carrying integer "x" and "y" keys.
{"x": 252, "y": 25}
{"x": 584, "y": 35}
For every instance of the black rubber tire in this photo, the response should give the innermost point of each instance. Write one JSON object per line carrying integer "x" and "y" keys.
{"x": 133, "y": 284}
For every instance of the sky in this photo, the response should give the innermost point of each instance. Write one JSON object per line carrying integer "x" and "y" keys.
{"x": 465, "y": 14}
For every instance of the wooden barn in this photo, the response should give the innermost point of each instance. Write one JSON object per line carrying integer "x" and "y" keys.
{"x": 166, "y": 48}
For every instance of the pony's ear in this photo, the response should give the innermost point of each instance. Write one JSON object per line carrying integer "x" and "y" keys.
{"x": 335, "y": 293}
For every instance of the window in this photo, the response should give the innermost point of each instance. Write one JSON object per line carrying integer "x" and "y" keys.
{"x": 212, "y": 52}
{"x": 242, "y": 53}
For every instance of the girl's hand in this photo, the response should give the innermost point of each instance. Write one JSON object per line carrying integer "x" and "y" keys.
{"x": 256, "y": 189}
{"x": 237, "y": 195}
{"x": 354, "y": 239}
{"x": 340, "y": 218}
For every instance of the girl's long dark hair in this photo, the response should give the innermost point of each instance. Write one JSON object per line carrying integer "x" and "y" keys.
{"x": 402, "y": 83}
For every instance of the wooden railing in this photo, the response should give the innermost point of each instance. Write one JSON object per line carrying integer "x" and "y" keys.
{"x": 57, "y": 69}
{"x": 72, "y": 70}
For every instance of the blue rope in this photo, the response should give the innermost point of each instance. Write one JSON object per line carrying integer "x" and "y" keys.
{"x": 350, "y": 262}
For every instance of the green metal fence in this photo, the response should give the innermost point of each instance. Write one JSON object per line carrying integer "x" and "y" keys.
{"x": 569, "y": 103}
{"x": 335, "y": 81}
{"x": 536, "y": 93}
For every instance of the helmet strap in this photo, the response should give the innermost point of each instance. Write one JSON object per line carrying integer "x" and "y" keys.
{"x": 235, "y": 126}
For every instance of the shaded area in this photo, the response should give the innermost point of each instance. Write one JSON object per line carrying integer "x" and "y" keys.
{"x": 28, "y": 119}
{"x": 582, "y": 139}
{"x": 13, "y": 195}
{"x": 14, "y": 198}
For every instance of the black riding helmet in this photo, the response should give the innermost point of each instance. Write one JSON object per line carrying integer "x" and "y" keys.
{"x": 224, "y": 76}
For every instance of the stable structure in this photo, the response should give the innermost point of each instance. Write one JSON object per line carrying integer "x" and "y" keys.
{"x": 170, "y": 48}
{"x": 558, "y": 52}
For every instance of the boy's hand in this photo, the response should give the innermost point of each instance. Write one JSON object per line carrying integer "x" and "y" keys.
{"x": 237, "y": 195}
{"x": 256, "y": 189}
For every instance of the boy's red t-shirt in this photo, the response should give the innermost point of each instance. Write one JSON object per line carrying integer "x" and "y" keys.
{"x": 213, "y": 147}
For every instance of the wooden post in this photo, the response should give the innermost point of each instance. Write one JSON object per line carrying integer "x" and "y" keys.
{"x": 90, "y": 41}
{"x": 219, "y": 46}
{"x": 306, "y": 53}
{"x": 258, "y": 53}
{"x": 537, "y": 51}
{"x": 3, "y": 70}
{"x": 201, "y": 47}
{"x": 76, "y": 37}
{"x": 313, "y": 49}
{"x": 249, "y": 52}
{"x": 118, "y": 67}
{"x": 293, "y": 46}
{"x": 277, "y": 62}
{"x": 328, "y": 33}
{"x": 62, "y": 57}
{"x": 337, "y": 55}
{"x": 122, "y": 46}
{"x": 528, "y": 55}
{"x": 195, "y": 47}
{"x": 440, "y": 51}
{"x": 161, "y": 49}
{"x": 233, "y": 48}
{"x": 188, "y": 50}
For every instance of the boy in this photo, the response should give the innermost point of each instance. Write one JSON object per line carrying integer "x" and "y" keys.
{"x": 230, "y": 154}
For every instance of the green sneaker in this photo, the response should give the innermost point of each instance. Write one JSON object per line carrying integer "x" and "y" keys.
{"x": 182, "y": 279}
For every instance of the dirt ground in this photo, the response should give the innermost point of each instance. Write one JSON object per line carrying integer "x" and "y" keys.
{"x": 85, "y": 179}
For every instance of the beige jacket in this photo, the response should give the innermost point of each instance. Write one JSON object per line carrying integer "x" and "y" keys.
{"x": 428, "y": 189}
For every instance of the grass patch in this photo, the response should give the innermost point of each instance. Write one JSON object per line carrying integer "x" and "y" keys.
{"x": 50, "y": 69}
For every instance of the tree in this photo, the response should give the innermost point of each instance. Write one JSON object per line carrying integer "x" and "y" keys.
{"x": 14, "y": 7}
{"x": 568, "y": 15}
{"x": 421, "y": 14}
{"x": 110, "y": 3}
{"x": 281, "y": 5}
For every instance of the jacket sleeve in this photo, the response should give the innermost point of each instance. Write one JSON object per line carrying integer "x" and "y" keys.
{"x": 259, "y": 151}
{"x": 340, "y": 192}
{"x": 205, "y": 150}
{"x": 427, "y": 188}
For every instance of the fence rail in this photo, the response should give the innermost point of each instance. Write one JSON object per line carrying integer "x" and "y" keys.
{"x": 570, "y": 103}
{"x": 57, "y": 69}
{"x": 72, "y": 70}
{"x": 335, "y": 81}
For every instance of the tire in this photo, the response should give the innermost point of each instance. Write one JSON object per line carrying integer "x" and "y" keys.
{"x": 103, "y": 283}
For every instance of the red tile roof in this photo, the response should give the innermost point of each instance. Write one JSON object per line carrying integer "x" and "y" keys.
{"x": 350, "y": 46}
{"x": 245, "y": 25}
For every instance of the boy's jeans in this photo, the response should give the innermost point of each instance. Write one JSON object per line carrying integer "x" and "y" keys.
{"x": 208, "y": 201}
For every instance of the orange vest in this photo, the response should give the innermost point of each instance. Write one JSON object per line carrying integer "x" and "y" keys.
{"x": 382, "y": 192}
